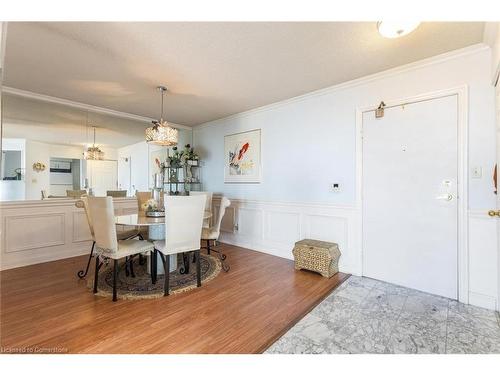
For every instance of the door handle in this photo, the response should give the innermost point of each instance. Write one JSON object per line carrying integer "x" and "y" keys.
{"x": 445, "y": 197}
{"x": 494, "y": 213}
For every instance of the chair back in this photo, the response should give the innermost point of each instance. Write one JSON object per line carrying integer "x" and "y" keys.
{"x": 76, "y": 193}
{"x": 224, "y": 203}
{"x": 84, "y": 203}
{"x": 116, "y": 193}
{"x": 183, "y": 222}
{"x": 102, "y": 215}
{"x": 208, "y": 198}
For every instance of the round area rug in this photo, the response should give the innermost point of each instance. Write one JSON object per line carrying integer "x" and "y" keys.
{"x": 140, "y": 286}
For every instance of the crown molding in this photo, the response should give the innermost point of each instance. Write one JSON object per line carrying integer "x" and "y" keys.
{"x": 87, "y": 107}
{"x": 434, "y": 60}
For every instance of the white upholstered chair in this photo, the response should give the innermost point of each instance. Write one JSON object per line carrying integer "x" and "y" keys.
{"x": 183, "y": 223}
{"x": 121, "y": 235}
{"x": 116, "y": 193}
{"x": 212, "y": 233}
{"x": 107, "y": 245}
{"x": 208, "y": 204}
{"x": 76, "y": 193}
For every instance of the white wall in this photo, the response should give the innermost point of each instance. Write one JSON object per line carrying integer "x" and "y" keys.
{"x": 42, "y": 152}
{"x": 309, "y": 142}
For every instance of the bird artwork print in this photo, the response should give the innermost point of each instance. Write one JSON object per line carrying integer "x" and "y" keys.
{"x": 238, "y": 160}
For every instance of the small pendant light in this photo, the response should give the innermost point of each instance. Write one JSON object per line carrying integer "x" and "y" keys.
{"x": 161, "y": 133}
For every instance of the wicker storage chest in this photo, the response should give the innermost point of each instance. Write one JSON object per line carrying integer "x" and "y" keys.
{"x": 319, "y": 256}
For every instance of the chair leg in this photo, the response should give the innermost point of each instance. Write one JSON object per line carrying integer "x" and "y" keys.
{"x": 127, "y": 273}
{"x": 165, "y": 259}
{"x": 131, "y": 261}
{"x": 96, "y": 274}
{"x": 81, "y": 274}
{"x": 198, "y": 268}
{"x": 151, "y": 255}
{"x": 166, "y": 270}
{"x": 115, "y": 276}
{"x": 153, "y": 266}
{"x": 208, "y": 247}
{"x": 141, "y": 259}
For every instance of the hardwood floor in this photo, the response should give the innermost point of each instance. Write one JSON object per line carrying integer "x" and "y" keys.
{"x": 242, "y": 311}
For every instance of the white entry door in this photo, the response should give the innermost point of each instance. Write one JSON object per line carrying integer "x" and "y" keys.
{"x": 103, "y": 176}
{"x": 125, "y": 175}
{"x": 409, "y": 194}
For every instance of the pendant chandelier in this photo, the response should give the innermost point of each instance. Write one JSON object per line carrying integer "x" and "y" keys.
{"x": 93, "y": 152}
{"x": 161, "y": 133}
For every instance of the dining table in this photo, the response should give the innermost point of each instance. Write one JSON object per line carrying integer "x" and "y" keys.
{"x": 156, "y": 232}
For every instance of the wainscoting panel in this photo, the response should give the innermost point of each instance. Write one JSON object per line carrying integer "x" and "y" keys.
{"x": 282, "y": 227}
{"x": 81, "y": 231}
{"x": 41, "y": 231}
{"x": 274, "y": 227}
{"x": 250, "y": 223}
{"x": 327, "y": 228}
{"x": 25, "y": 232}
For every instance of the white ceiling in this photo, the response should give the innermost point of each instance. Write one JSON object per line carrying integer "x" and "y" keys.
{"x": 212, "y": 69}
{"x": 60, "y": 124}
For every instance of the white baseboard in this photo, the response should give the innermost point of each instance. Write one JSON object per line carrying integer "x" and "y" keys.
{"x": 482, "y": 300}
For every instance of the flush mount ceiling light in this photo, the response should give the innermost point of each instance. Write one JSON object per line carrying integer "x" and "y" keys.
{"x": 161, "y": 133}
{"x": 390, "y": 29}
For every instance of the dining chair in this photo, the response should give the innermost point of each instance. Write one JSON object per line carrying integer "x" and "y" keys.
{"x": 116, "y": 193}
{"x": 183, "y": 224}
{"x": 208, "y": 204}
{"x": 121, "y": 235}
{"x": 213, "y": 233}
{"x": 76, "y": 193}
{"x": 107, "y": 245}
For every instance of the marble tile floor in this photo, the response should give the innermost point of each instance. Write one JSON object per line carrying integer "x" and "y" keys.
{"x": 369, "y": 316}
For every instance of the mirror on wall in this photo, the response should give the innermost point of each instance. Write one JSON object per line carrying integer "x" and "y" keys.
{"x": 11, "y": 165}
{"x": 43, "y": 145}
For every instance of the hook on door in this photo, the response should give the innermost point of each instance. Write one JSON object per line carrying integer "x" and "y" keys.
{"x": 379, "y": 112}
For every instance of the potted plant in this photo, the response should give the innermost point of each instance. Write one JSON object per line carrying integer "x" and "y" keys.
{"x": 190, "y": 156}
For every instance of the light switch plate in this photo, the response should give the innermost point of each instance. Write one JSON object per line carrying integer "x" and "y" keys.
{"x": 335, "y": 187}
{"x": 477, "y": 172}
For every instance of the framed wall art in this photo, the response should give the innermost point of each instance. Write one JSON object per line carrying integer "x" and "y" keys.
{"x": 242, "y": 157}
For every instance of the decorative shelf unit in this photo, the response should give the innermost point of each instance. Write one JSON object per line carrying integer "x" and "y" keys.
{"x": 182, "y": 180}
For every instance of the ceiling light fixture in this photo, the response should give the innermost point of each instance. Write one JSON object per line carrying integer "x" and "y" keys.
{"x": 93, "y": 152}
{"x": 161, "y": 133}
{"x": 392, "y": 30}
